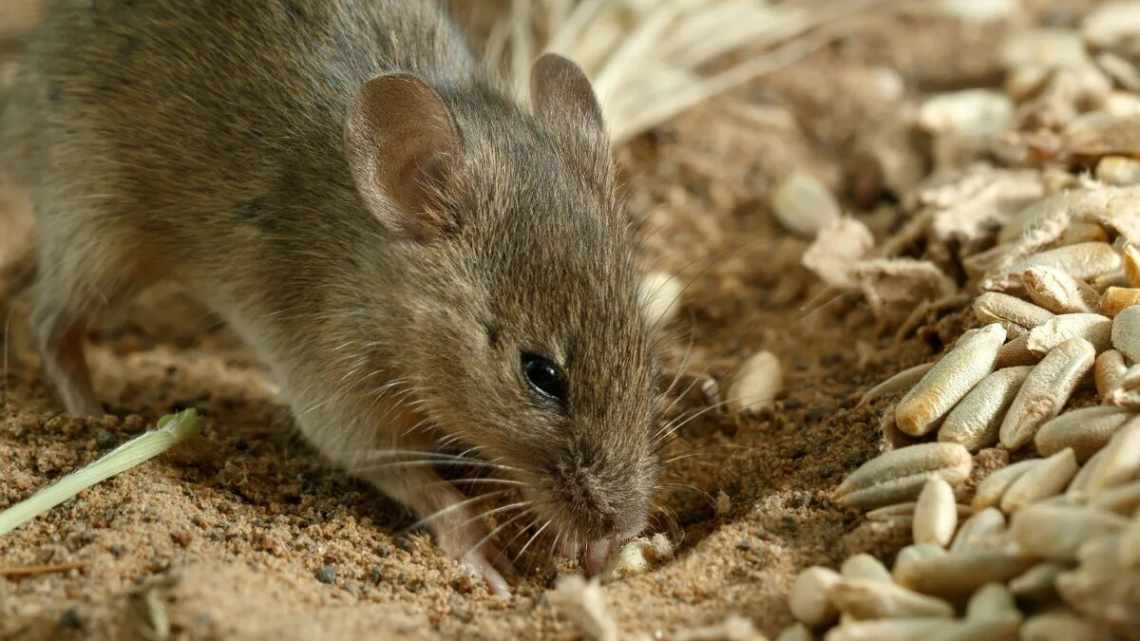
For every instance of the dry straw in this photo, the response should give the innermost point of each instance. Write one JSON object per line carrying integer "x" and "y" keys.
{"x": 171, "y": 430}
{"x": 649, "y": 60}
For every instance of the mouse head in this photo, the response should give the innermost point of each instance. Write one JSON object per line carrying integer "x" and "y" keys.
{"x": 523, "y": 336}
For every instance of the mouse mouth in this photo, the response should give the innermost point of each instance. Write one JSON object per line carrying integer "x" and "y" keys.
{"x": 595, "y": 554}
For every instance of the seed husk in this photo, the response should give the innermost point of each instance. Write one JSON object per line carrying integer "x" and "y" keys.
{"x": 1130, "y": 545}
{"x": 991, "y": 489}
{"x": 1056, "y": 532}
{"x": 917, "y": 551}
{"x": 1045, "y": 480}
{"x": 904, "y": 380}
{"x": 1085, "y": 261}
{"x": 1060, "y": 626}
{"x": 980, "y": 531}
{"x": 865, "y": 566}
{"x": 1117, "y": 170}
{"x": 995, "y": 307}
{"x": 1003, "y": 628}
{"x": 991, "y": 601}
{"x": 795, "y": 632}
{"x": 935, "y": 513}
{"x": 1126, "y": 333}
{"x": 1127, "y": 393}
{"x": 905, "y": 512}
{"x": 756, "y": 384}
{"x": 804, "y": 205}
{"x": 1111, "y": 279}
{"x": 871, "y": 599}
{"x": 899, "y": 475}
{"x": 892, "y": 512}
{"x": 957, "y": 575}
{"x": 1057, "y": 291}
{"x": 951, "y": 378}
{"x": 1121, "y": 499}
{"x": 808, "y": 599}
{"x": 1117, "y": 299}
{"x": 1079, "y": 487}
{"x": 1102, "y": 588}
{"x": 1109, "y": 371}
{"x": 975, "y": 420}
{"x": 1094, "y": 328}
{"x": 1121, "y": 458}
{"x": 660, "y": 296}
{"x": 1046, "y": 390}
{"x": 888, "y": 630}
{"x": 1085, "y": 430}
{"x": 584, "y": 603}
{"x": 1016, "y": 353}
{"x": 1038, "y": 584}
{"x": 1131, "y": 256}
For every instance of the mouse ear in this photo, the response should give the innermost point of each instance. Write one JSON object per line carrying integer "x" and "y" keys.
{"x": 401, "y": 140}
{"x": 564, "y": 101}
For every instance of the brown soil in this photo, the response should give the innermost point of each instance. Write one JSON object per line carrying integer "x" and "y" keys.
{"x": 244, "y": 534}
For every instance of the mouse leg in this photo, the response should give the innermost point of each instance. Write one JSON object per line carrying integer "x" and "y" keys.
{"x": 76, "y": 279}
{"x": 59, "y": 336}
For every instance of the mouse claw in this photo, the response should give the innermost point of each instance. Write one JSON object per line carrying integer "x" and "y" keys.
{"x": 489, "y": 563}
{"x": 476, "y": 564}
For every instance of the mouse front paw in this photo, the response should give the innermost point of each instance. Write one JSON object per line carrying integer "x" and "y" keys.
{"x": 485, "y": 564}
{"x": 478, "y": 556}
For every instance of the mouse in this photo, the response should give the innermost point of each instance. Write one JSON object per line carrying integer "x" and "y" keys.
{"x": 434, "y": 274}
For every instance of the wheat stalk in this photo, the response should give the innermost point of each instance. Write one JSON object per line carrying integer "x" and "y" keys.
{"x": 172, "y": 430}
{"x": 644, "y": 57}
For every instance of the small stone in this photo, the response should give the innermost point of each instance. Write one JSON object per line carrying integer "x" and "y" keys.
{"x": 104, "y": 439}
{"x": 70, "y": 620}
{"x": 327, "y": 574}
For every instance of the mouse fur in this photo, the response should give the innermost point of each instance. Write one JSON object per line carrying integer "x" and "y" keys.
{"x": 377, "y": 217}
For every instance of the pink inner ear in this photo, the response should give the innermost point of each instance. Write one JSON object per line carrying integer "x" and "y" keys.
{"x": 400, "y": 140}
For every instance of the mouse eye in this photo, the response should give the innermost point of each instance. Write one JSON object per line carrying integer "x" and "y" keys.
{"x": 544, "y": 376}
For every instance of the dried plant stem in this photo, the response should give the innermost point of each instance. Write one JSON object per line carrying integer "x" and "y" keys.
{"x": 172, "y": 430}
{"x": 36, "y": 570}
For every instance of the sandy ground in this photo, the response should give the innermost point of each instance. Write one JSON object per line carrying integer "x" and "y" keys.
{"x": 244, "y": 534}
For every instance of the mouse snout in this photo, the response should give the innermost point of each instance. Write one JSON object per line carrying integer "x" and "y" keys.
{"x": 605, "y": 500}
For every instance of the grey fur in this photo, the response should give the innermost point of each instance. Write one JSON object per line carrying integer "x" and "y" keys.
{"x": 202, "y": 141}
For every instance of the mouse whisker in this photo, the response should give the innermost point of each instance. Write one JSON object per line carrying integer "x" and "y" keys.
{"x": 415, "y": 426}
{"x": 423, "y": 463}
{"x": 477, "y": 481}
{"x": 492, "y": 533}
{"x": 503, "y": 508}
{"x": 532, "y": 539}
{"x": 554, "y": 545}
{"x": 682, "y": 457}
{"x": 522, "y": 530}
{"x": 680, "y": 396}
{"x": 671, "y": 428}
{"x": 459, "y": 505}
{"x": 687, "y": 486}
{"x": 418, "y": 454}
{"x": 680, "y": 371}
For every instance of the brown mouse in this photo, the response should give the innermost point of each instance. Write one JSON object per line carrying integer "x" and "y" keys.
{"x": 423, "y": 264}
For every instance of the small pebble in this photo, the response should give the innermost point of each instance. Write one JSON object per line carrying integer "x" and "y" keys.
{"x": 105, "y": 439}
{"x": 71, "y": 620}
{"x": 327, "y": 574}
